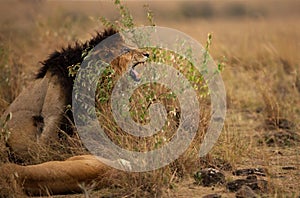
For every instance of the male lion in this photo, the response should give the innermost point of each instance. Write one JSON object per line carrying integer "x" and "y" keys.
{"x": 39, "y": 115}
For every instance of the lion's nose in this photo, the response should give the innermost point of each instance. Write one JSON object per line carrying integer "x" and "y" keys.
{"x": 146, "y": 54}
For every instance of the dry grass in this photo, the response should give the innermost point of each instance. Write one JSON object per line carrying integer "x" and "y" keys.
{"x": 261, "y": 79}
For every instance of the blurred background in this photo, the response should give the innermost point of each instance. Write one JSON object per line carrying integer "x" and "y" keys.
{"x": 246, "y": 33}
{"x": 257, "y": 41}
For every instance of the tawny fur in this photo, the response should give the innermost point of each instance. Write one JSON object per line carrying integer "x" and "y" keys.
{"x": 57, "y": 177}
{"x": 38, "y": 114}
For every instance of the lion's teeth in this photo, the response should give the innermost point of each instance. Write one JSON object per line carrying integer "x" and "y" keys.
{"x": 134, "y": 75}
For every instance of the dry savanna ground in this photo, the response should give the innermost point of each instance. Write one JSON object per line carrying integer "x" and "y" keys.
{"x": 257, "y": 42}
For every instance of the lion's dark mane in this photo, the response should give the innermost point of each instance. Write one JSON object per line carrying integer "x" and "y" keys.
{"x": 59, "y": 61}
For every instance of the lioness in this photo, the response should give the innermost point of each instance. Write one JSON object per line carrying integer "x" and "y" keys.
{"x": 38, "y": 115}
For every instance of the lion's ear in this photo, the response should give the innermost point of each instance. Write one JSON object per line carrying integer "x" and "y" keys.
{"x": 126, "y": 49}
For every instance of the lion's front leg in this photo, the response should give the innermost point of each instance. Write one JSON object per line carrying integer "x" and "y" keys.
{"x": 53, "y": 110}
{"x": 22, "y": 128}
{"x": 36, "y": 117}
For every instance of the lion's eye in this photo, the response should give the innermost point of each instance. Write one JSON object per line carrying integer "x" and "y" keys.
{"x": 135, "y": 57}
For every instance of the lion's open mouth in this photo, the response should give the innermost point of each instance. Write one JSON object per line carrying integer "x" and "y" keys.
{"x": 136, "y": 76}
